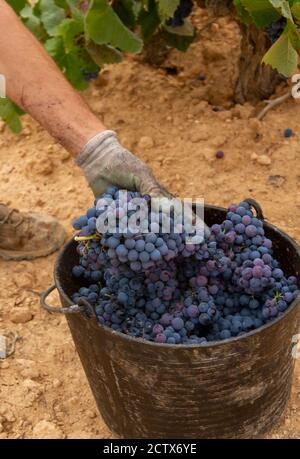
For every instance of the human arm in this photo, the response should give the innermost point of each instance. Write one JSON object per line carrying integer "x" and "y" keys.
{"x": 36, "y": 84}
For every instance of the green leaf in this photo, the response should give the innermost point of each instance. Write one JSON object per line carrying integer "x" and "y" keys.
{"x": 74, "y": 6}
{"x": 137, "y": 8}
{"x": 9, "y": 112}
{"x": 69, "y": 30}
{"x": 128, "y": 11}
{"x": 78, "y": 62}
{"x": 104, "y": 27}
{"x": 149, "y": 20}
{"x": 180, "y": 42}
{"x": 72, "y": 63}
{"x": 62, "y": 4}
{"x": 55, "y": 47}
{"x": 51, "y": 15}
{"x": 261, "y": 11}
{"x": 241, "y": 12}
{"x": 186, "y": 30}
{"x": 282, "y": 56}
{"x": 284, "y": 7}
{"x": 17, "y": 5}
{"x": 294, "y": 34}
{"x": 103, "y": 54}
{"x": 167, "y": 8}
{"x": 73, "y": 71}
{"x": 296, "y": 11}
{"x": 33, "y": 22}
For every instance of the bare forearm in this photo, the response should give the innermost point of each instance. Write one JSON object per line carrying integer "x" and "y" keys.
{"x": 36, "y": 84}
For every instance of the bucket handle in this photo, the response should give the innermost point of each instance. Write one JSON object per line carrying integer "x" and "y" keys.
{"x": 83, "y": 306}
{"x": 257, "y": 208}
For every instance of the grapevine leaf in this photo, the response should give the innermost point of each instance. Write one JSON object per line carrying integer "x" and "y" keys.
{"x": 33, "y": 22}
{"x": 294, "y": 34}
{"x": 261, "y": 11}
{"x": 186, "y": 30}
{"x": 9, "y": 112}
{"x": 51, "y": 15}
{"x": 242, "y": 13}
{"x": 17, "y": 5}
{"x": 103, "y": 54}
{"x": 71, "y": 63}
{"x": 180, "y": 42}
{"x": 137, "y": 8}
{"x": 128, "y": 11}
{"x": 104, "y": 27}
{"x": 55, "y": 47}
{"x": 284, "y": 7}
{"x": 62, "y": 3}
{"x": 296, "y": 11}
{"x": 78, "y": 63}
{"x": 149, "y": 21}
{"x": 282, "y": 56}
{"x": 167, "y": 8}
{"x": 69, "y": 29}
{"x": 76, "y": 8}
{"x": 73, "y": 70}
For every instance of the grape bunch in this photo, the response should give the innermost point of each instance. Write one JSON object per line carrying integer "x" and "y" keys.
{"x": 183, "y": 11}
{"x": 275, "y": 29}
{"x": 156, "y": 286}
{"x": 88, "y": 75}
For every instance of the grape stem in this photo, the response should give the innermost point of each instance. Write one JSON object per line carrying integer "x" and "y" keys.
{"x": 86, "y": 238}
{"x": 272, "y": 103}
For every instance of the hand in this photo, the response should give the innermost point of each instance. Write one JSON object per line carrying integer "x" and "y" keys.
{"x": 105, "y": 162}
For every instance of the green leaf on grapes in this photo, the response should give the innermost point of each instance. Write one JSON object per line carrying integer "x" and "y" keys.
{"x": 282, "y": 56}
{"x": 51, "y": 15}
{"x": 261, "y": 11}
{"x": 104, "y": 27}
{"x": 10, "y": 114}
{"x": 103, "y": 54}
{"x": 167, "y": 8}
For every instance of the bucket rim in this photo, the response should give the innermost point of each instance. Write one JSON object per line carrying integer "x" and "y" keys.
{"x": 208, "y": 344}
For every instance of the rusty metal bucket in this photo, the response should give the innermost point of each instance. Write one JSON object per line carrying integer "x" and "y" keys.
{"x": 236, "y": 388}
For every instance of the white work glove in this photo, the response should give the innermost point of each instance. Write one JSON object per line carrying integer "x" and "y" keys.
{"x": 105, "y": 162}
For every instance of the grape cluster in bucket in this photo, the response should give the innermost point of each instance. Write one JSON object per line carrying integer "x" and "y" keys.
{"x": 158, "y": 287}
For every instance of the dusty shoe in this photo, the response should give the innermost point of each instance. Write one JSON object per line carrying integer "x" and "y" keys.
{"x": 24, "y": 236}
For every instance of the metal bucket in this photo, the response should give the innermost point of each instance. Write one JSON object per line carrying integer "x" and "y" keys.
{"x": 237, "y": 388}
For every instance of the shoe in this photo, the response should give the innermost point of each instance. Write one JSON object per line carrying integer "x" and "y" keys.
{"x": 25, "y": 236}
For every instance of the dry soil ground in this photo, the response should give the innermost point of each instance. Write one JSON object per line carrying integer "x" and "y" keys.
{"x": 167, "y": 121}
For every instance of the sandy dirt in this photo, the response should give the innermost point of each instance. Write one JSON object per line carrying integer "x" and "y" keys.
{"x": 167, "y": 121}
